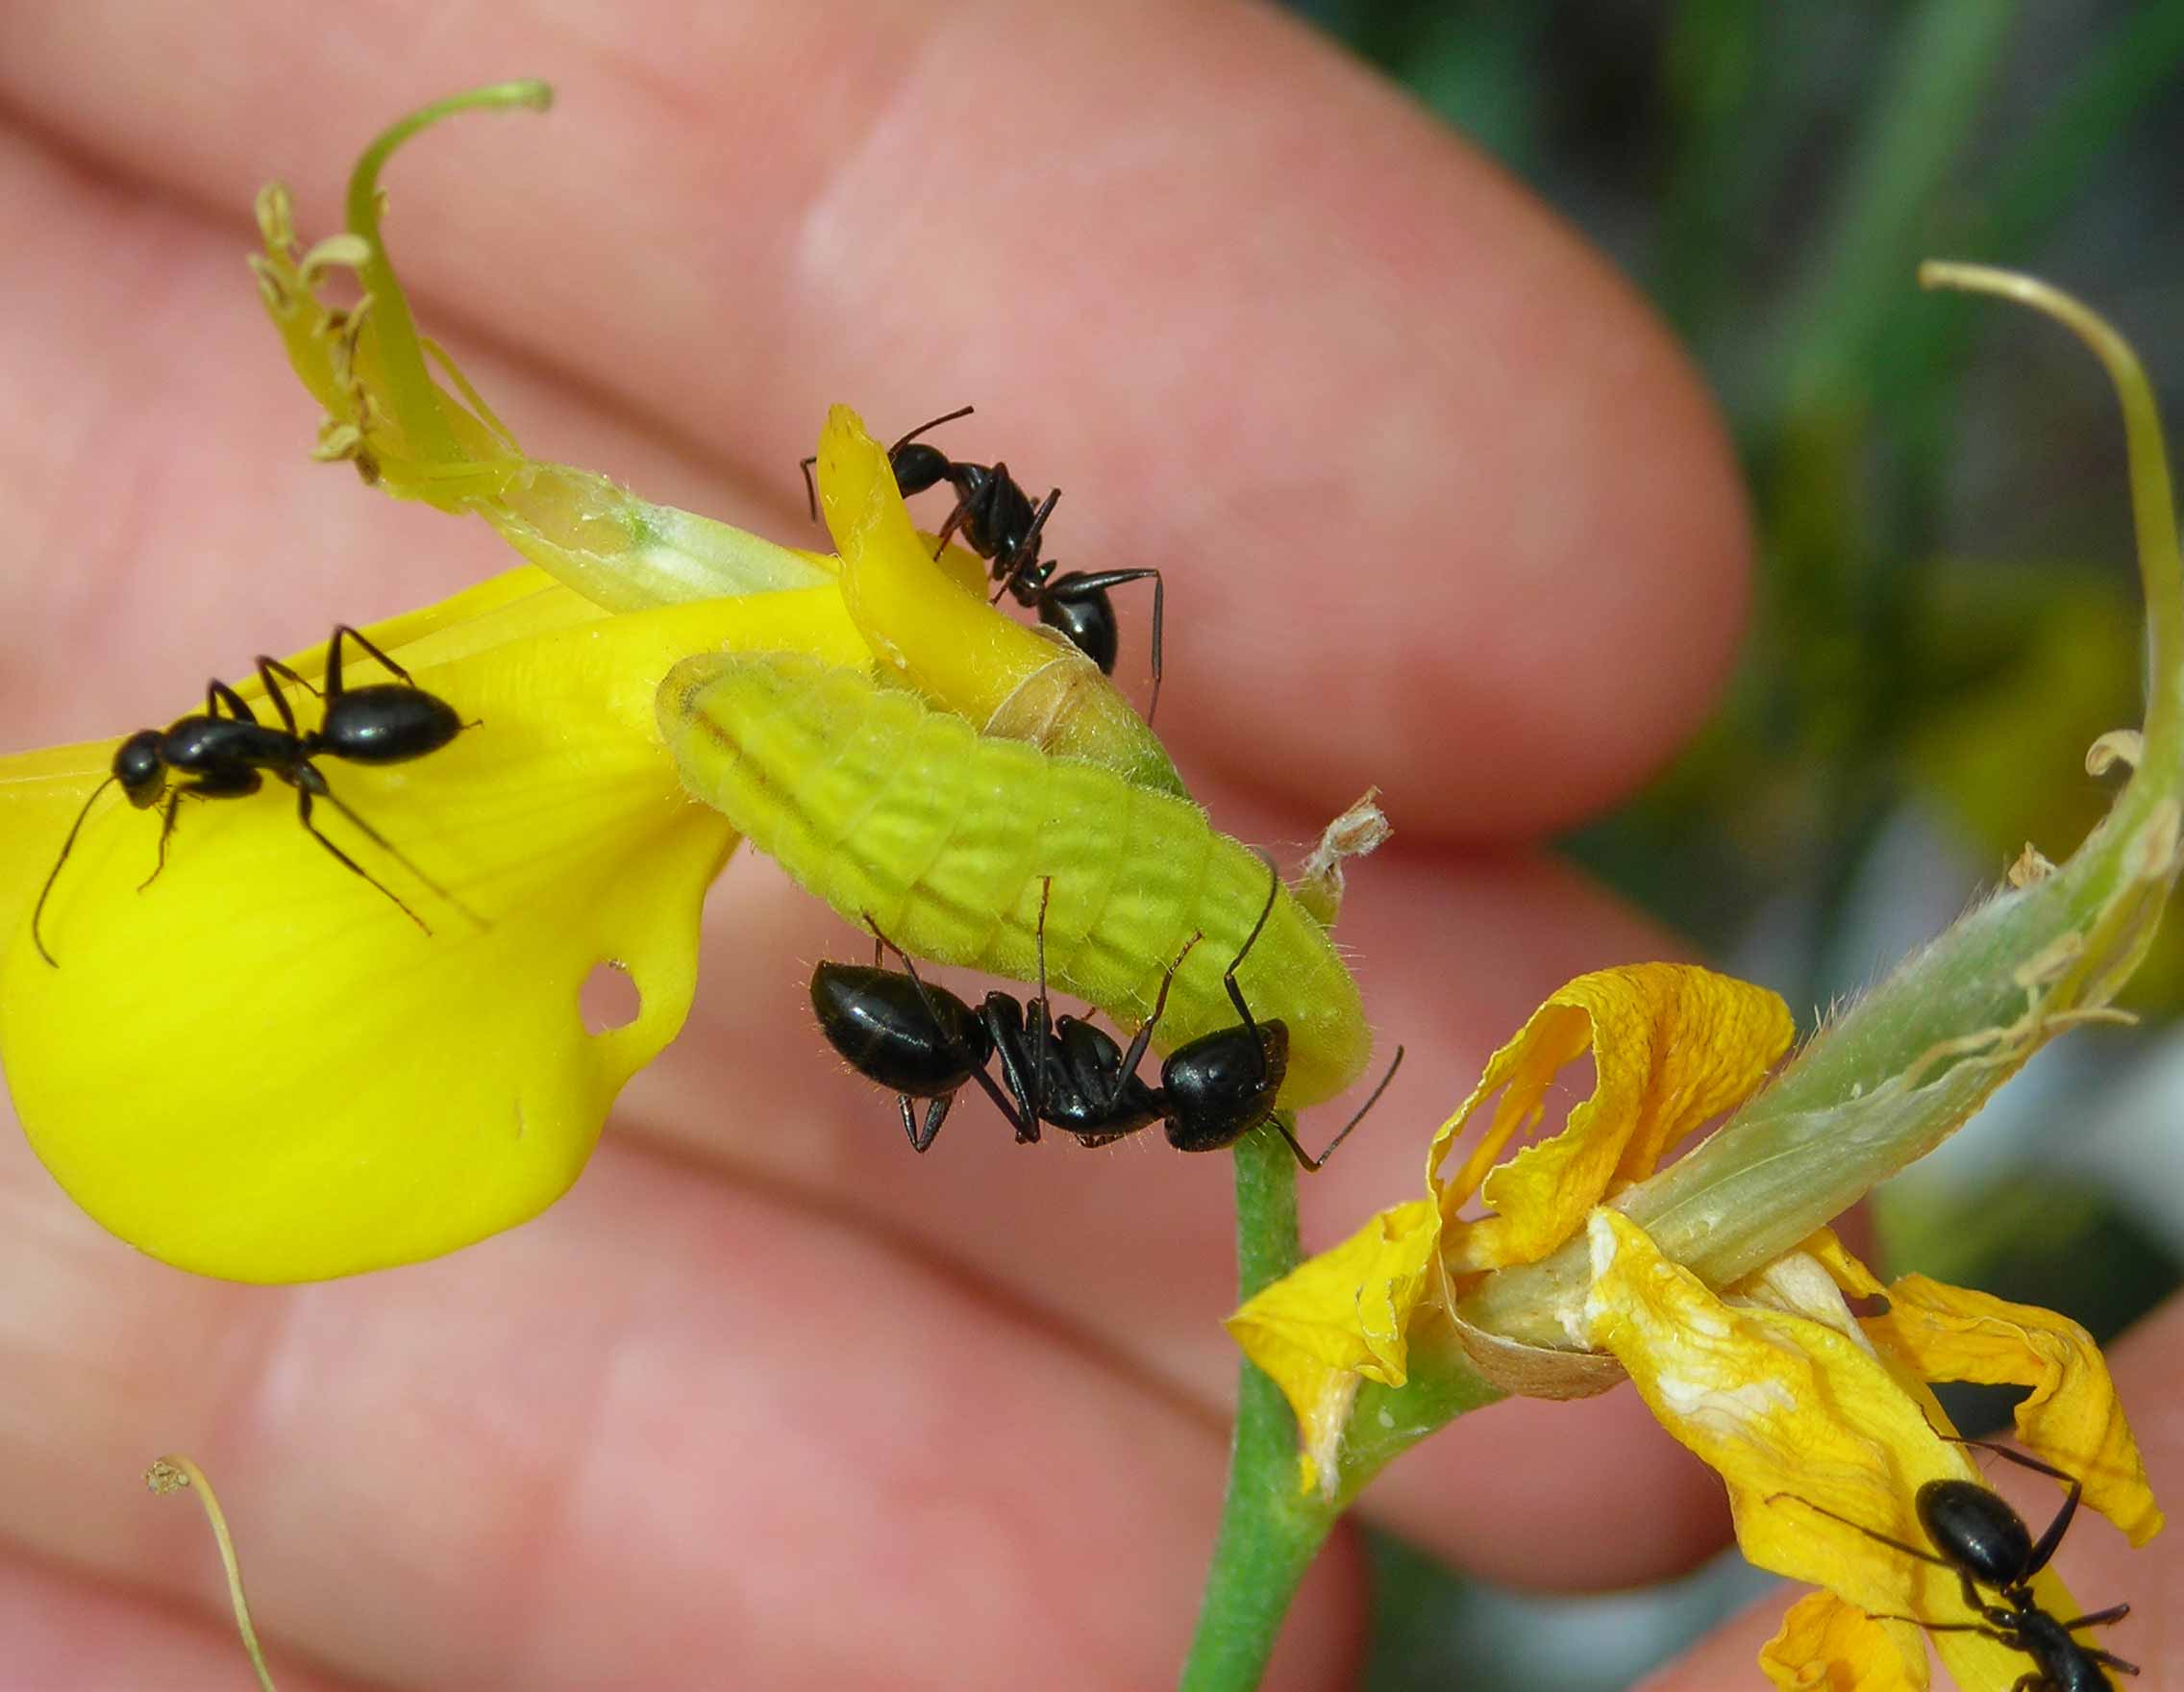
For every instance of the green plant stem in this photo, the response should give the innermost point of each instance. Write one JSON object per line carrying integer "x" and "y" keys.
{"x": 415, "y": 401}
{"x": 1387, "y": 1421}
{"x": 1270, "y": 1529}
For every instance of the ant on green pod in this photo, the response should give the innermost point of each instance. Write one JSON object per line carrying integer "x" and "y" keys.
{"x": 895, "y": 1027}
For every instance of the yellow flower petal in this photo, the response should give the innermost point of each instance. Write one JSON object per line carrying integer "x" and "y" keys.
{"x": 951, "y": 646}
{"x": 2071, "y": 1417}
{"x": 1340, "y": 1318}
{"x": 1672, "y": 1047}
{"x": 1797, "y": 1418}
{"x": 257, "y": 1068}
{"x": 41, "y": 791}
{"x": 1828, "y": 1646}
{"x": 1850, "y": 1275}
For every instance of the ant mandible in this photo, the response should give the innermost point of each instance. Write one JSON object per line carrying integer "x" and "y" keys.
{"x": 1986, "y": 1543}
{"x": 995, "y": 519}
{"x": 226, "y": 757}
{"x": 925, "y": 1042}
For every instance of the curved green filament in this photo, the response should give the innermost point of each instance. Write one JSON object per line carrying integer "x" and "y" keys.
{"x": 416, "y": 402}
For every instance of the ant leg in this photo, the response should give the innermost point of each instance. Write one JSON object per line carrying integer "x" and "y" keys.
{"x": 2018, "y": 1457}
{"x": 1027, "y": 1126}
{"x": 54, "y": 874}
{"x": 314, "y": 785}
{"x": 811, "y": 499}
{"x": 333, "y": 657}
{"x": 167, "y": 828}
{"x": 955, "y": 522}
{"x": 1100, "y": 580}
{"x": 303, "y": 815}
{"x": 1138, "y": 1041}
{"x": 267, "y": 670}
{"x": 1040, "y": 1034}
{"x": 217, "y": 693}
{"x": 2045, "y": 1547}
{"x": 2101, "y": 1618}
{"x": 2108, "y": 1659}
{"x": 1313, "y": 1165}
{"x": 1027, "y": 553}
{"x": 960, "y": 411}
{"x": 1019, "y": 1067}
{"x": 936, "y": 1114}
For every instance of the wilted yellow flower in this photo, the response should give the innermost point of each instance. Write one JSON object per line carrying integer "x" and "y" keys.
{"x": 1809, "y": 1413}
{"x": 1671, "y": 1046}
{"x": 1817, "y": 1419}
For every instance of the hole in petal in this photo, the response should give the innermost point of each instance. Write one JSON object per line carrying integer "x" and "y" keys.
{"x": 609, "y": 999}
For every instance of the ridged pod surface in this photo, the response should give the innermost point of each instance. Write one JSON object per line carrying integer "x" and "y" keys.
{"x": 877, "y": 802}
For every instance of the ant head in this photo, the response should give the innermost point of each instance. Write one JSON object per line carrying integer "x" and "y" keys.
{"x": 1222, "y": 1085}
{"x": 138, "y": 768}
{"x": 918, "y": 466}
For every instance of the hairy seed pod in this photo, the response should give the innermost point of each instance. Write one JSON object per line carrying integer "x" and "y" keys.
{"x": 878, "y": 803}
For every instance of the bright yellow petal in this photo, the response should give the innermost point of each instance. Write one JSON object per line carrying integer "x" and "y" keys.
{"x": 1797, "y": 1418}
{"x": 1340, "y": 1317}
{"x": 257, "y": 1068}
{"x": 1006, "y": 678}
{"x": 2071, "y": 1416}
{"x": 41, "y": 791}
{"x": 1828, "y": 1646}
{"x": 1672, "y": 1047}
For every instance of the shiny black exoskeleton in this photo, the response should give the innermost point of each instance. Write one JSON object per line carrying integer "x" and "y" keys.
{"x": 921, "y": 1040}
{"x": 996, "y": 520}
{"x": 225, "y": 752}
{"x": 1984, "y": 1542}
{"x": 925, "y": 1043}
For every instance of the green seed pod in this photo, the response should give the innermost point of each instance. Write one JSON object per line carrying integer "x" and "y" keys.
{"x": 882, "y": 806}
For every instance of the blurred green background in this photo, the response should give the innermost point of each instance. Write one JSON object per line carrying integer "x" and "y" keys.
{"x": 1947, "y": 608}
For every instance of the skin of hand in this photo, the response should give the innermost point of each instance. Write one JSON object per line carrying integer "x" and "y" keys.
{"x": 767, "y": 1398}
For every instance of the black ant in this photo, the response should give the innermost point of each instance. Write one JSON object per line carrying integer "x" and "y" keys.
{"x": 1986, "y": 1543}
{"x": 226, "y": 757}
{"x": 925, "y": 1043}
{"x": 997, "y": 521}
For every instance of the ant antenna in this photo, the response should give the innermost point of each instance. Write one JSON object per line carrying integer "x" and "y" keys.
{"x": 1875, "y": 1534}
{"x": 1313, "y": 1165}
{"x": 54, "y": 874}
{"x": 960, "y": 411}
{"x": 1228, "y": 976}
